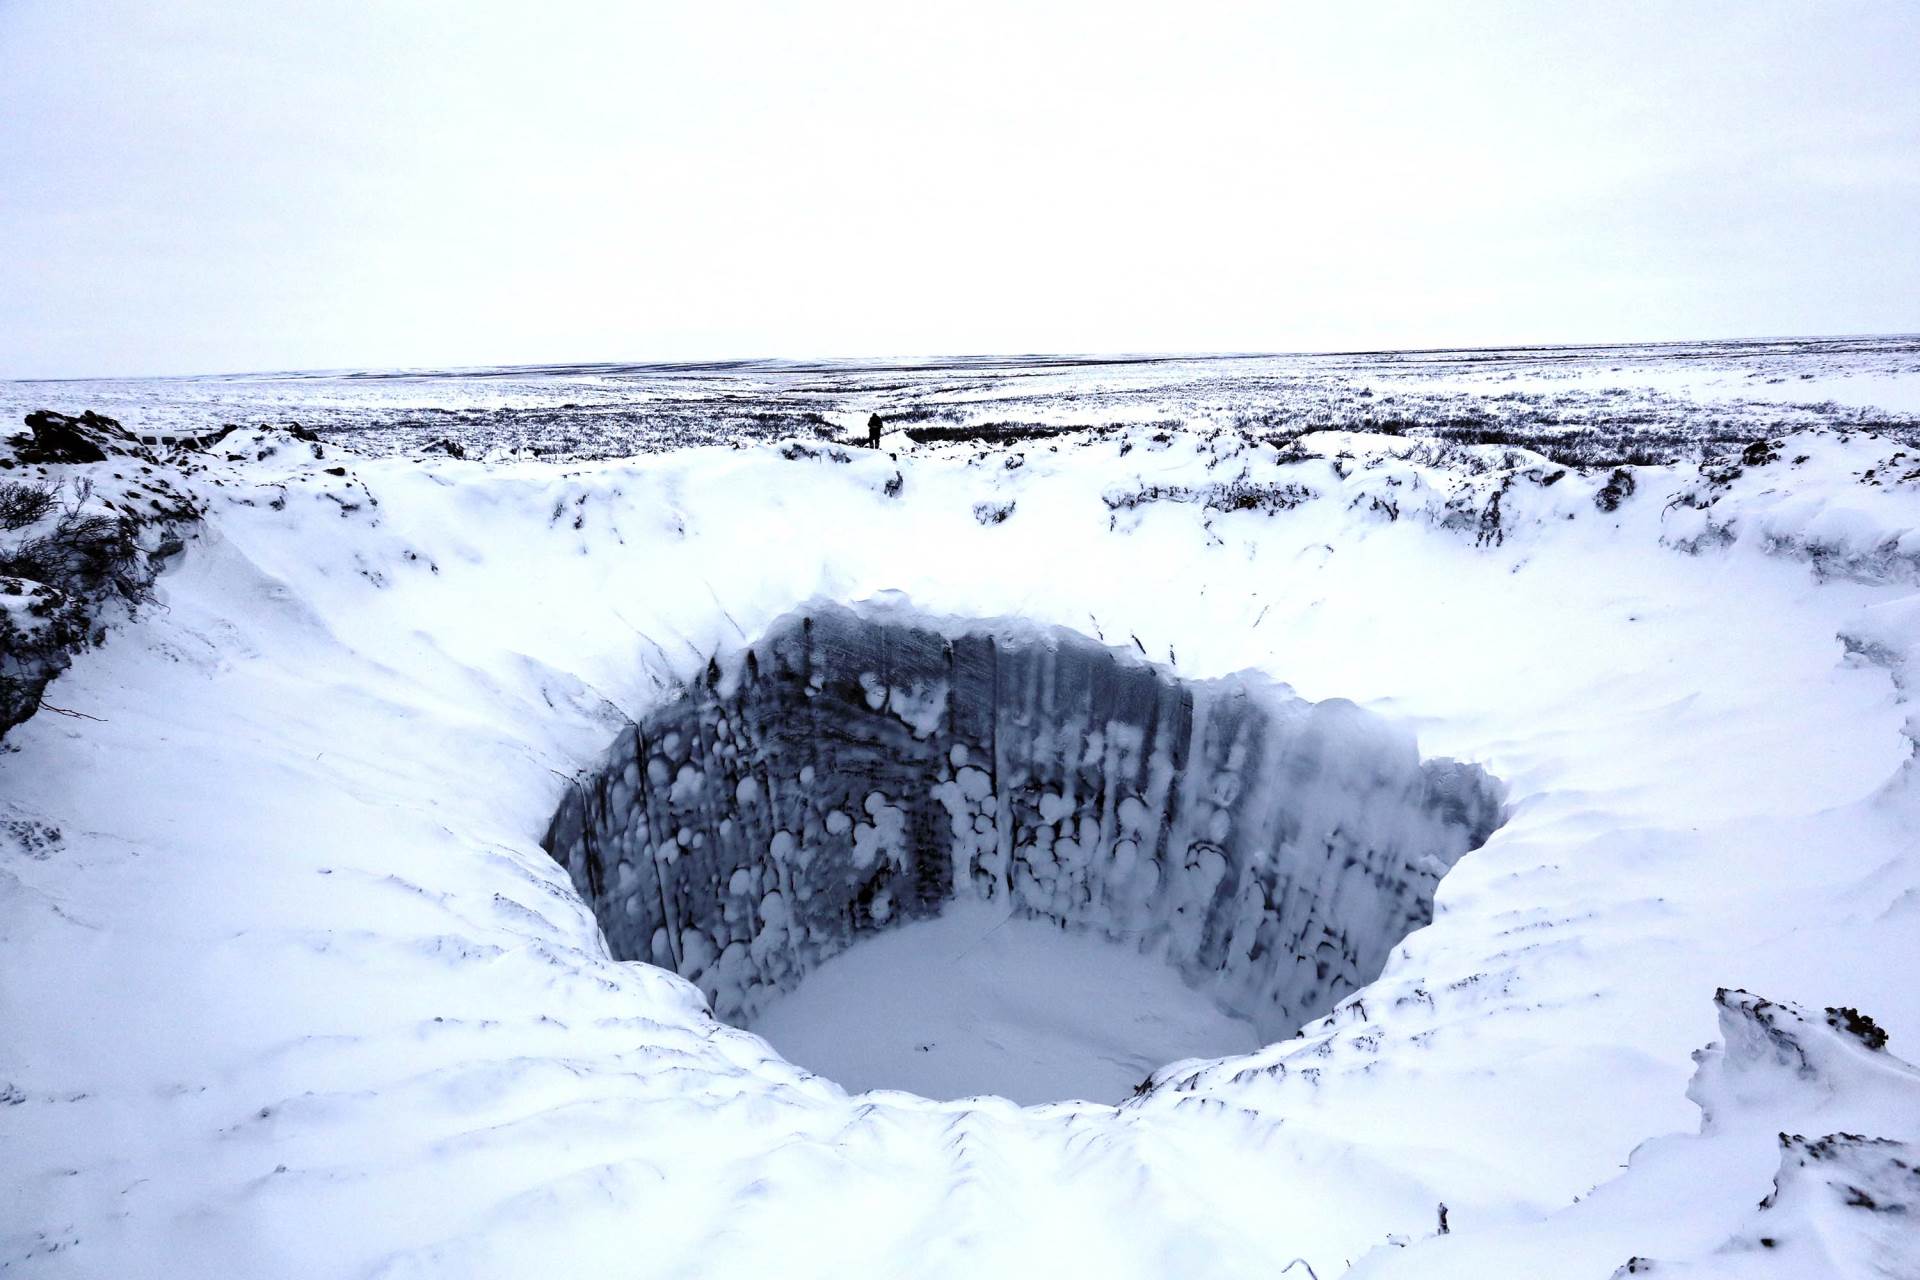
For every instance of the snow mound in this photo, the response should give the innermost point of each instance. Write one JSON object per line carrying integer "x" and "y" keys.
{"x": 1840, "y": 1204}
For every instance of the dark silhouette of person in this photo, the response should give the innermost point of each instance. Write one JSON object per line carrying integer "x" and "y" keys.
{"x": 873, "y": 432}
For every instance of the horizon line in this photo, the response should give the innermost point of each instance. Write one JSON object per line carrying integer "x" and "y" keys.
{"x": 933, "y": 360}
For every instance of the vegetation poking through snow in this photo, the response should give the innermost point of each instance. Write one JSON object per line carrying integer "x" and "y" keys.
{"x": 1238, "y": 494}
{"x": 1587, "y": 408}
{"x": 78, "y": 540}
{"x": 987, "y": 432}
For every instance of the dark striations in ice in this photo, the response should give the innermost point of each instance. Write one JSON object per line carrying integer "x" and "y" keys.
{"x": 857, "y": 768}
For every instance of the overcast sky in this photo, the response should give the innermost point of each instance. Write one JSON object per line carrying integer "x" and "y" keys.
{"x": 269, "y": 184}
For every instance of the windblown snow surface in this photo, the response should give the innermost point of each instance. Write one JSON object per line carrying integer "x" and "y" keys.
{"x": 289, "y": 985}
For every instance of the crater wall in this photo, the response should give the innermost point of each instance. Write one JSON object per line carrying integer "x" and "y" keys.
{"x": 859, "y": 767}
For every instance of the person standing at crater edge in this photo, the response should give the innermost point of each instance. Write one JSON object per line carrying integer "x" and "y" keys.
{"x": 873, "y": 431}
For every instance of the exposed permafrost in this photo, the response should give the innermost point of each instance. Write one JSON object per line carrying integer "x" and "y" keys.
{"x": 857, "y": 768}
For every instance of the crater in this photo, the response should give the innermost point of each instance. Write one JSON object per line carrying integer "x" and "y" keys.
{"x": 963, "y": 856}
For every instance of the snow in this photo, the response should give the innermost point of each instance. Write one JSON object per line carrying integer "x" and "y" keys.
{"x": 615, "y": 410}
{"x": 1270, "y": 850}
{"x": 1773, "y": 1068}
{"x": 295, "y": 991}
{"x": 980, "y": 1001}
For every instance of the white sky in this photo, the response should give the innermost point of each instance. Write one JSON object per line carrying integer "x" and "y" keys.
{"x": 265, "y": 184}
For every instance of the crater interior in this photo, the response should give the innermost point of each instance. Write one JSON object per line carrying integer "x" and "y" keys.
{"x": 862, "y": 768}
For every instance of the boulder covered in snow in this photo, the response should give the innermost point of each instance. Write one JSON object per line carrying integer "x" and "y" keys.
{"x": 59, "y": 437}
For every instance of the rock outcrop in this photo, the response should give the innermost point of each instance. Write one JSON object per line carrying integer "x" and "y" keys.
{"x": 58, "y": 438}
{"x": 87, "y": 519}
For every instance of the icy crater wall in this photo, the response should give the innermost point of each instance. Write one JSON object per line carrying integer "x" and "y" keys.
{"x": 857, "y": 768}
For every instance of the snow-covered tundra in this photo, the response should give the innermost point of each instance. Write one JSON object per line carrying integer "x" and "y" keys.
{"x": 291, "y": 985}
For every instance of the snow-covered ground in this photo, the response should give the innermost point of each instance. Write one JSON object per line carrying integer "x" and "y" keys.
{"x": 980, "y": 1000}
{"x": 291, "y": 989}
{"x": 1671, "y": 397}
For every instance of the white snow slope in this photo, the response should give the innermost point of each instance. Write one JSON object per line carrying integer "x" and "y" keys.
{"x": 295, "y": 992}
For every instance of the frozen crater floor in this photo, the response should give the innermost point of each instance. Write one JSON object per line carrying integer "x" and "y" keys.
{"x": 978, "y": 1001}
{"x": 394, "y": 904}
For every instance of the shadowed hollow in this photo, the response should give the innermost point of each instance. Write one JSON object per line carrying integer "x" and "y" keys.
{"x": 860, "y": 769}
